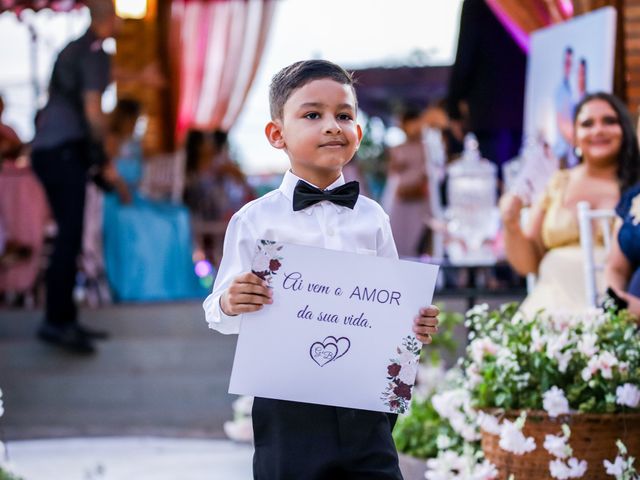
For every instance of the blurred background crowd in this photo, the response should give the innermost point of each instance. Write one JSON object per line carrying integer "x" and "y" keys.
{"x": 118, "y": 183}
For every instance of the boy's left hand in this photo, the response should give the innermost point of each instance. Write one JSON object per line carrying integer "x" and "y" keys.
{"x": 426, "y": 323}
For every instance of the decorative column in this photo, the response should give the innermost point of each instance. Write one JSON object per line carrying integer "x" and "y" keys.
{"x": 140, "y": 44}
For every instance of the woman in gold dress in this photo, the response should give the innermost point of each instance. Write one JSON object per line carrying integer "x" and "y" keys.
{"x": 549, "y": 245}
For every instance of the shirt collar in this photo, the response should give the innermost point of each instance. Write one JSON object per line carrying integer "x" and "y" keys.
{"x": 289, "y": 184}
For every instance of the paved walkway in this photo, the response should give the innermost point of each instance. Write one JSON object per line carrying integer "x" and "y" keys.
{"x": 149, "y": 405}
{"x": 162, "y": 373}
{"x": 131, "y": 458}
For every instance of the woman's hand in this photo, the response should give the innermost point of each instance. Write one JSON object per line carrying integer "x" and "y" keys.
{"x": 632, "y": 301}
{"x": 510, "y": 208}
{"x": 111, "y": 175}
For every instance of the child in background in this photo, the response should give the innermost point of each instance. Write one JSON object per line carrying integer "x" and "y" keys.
{"x": 147, "y": 243}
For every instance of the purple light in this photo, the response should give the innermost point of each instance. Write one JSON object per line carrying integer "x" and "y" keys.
{"x": 520, "y": 36}
{"x": 567, "y": 8}
{"x": 203, "y": 268}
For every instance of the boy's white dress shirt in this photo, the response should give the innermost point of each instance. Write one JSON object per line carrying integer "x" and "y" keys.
{"x": 363, "y": 230}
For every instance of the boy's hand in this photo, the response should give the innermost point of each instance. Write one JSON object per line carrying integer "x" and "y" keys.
{"x": 247, "y": 293}
{"x": 426, "y": 323}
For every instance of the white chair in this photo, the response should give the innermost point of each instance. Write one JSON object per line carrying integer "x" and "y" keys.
{"x": 586, "y": 219}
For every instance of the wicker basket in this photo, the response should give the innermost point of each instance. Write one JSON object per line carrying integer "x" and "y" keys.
{"x": 593, "y": 438}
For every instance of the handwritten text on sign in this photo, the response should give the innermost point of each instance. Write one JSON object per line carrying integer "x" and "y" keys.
{"x": 339, "y": 329}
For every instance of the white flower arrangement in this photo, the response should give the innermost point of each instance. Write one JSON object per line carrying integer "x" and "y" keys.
{"x": 563, "y": 363}
{"x": 560, "y": 363}
{"x": 622, "y": 467}
{"x": 6, "y": 469}
{"x": 240, "y": 429}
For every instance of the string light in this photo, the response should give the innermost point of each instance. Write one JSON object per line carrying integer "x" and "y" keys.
{"x": 131, "y": 8}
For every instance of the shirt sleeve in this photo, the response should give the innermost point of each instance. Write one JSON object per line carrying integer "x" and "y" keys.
{"x": 96, "y": 72}
{"x": 238, "y": 250}
{"x": 386, "y": 244}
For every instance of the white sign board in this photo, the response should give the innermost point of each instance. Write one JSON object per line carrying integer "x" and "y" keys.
{"x": 339, "y": 331}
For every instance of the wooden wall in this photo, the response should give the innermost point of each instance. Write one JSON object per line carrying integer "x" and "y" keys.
{"x": 140, "y": 44}
{"x": 632, "y": 54}
{"x": 627, "y": 66}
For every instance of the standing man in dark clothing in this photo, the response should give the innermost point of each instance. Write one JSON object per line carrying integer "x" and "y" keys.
{"x": 488, "y": 77}
{"x": 67, "y": 144}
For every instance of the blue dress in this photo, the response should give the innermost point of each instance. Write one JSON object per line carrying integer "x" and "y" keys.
{"x": 147, "y": 244}
{"x": 629, "y": 237}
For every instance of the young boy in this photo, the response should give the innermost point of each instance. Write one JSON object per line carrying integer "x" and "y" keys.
{"x": 313, "y": 120}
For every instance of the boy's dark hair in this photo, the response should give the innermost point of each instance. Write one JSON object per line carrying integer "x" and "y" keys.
{"x": 298, "y": 75}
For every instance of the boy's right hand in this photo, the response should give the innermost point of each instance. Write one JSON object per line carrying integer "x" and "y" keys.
{"x": 247, "y": 293}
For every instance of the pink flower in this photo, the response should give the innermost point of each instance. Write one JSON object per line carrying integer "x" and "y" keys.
{"x": 577, "y": 468}
{"x": 274, "y": 265}
{"x": 482, "y": 347}
{"x": 606, "y": 362}
{"x": 587, "y": 344}
{"x": 513, "y": 440}
{"x": 628, "y": 395}
{"x": 554, "y": 402}
{"x": 403, "y": 390}
{"x": 572, "y": 469}
{"x": 616, "y": 468}
{"x": 488, "y": 423}
{"x": 393, "y": 370}
{"x": 557, "y": 446}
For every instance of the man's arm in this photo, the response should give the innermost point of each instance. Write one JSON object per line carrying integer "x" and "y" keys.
{"x": 96, "y": 118}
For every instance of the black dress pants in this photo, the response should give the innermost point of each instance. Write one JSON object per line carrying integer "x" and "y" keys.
{"x": 63, "y": 173}
{"x": 301, "y": 441}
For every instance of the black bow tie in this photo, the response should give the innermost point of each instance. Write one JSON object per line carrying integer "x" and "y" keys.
{"x": 305, "y": 195}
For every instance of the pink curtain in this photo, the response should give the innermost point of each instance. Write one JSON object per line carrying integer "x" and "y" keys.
{"x": 219, "y": 47}
{"x": 18, "y": 6}
{"x": 25, "y": 213}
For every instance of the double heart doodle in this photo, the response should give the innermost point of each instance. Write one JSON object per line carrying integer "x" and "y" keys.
{"x": 330, "y": 349}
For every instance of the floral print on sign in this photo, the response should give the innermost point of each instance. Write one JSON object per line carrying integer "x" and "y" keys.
{"x": 401, "y": 373}
{"x": 267, "y": 260}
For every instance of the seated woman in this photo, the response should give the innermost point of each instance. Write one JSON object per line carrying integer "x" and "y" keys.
{"x": 549, "y": 246}
{"x": 406, "y": 196}
{"x": 216, "y": 187}
{"x": 24, "y": 214}
{"x": 147, "y": 244}
{"x": 622, "y": 271}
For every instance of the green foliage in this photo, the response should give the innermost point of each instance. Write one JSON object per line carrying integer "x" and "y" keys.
{"x": 515, "y": 359}
{"x": 4, "y": 475}
{"x": 416, "y": 434}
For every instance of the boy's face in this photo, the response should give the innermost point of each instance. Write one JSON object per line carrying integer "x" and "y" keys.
{"x": 318, "y": 130}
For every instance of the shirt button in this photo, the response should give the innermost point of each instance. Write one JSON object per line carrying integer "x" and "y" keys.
{"x": 330, "y": 231}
